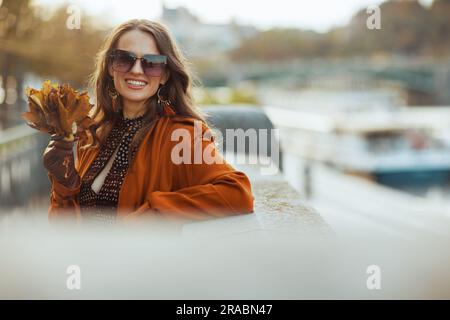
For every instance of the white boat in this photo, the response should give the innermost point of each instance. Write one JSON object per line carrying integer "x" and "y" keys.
{"x": 397, "y": 147}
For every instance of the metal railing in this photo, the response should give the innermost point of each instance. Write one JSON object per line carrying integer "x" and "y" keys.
{"x": 21, "y": 173}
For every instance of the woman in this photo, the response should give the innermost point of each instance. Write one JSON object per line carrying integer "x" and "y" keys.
{"x": 143, "y": 97}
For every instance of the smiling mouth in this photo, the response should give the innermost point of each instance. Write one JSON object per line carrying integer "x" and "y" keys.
{"x": 135, "y": 83}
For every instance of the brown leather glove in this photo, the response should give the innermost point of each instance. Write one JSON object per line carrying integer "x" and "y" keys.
{"x": 59, "y": 161}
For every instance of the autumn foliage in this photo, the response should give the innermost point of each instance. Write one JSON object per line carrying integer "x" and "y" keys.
{"x": 58, "y": 109}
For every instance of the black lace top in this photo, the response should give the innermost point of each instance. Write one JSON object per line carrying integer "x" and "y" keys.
{"x": 103, "y": 205}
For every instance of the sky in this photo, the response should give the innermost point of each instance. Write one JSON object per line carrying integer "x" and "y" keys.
{"x": 319, "y": 15}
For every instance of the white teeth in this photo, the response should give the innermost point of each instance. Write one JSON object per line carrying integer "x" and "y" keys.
{"x": 136, "y": 82}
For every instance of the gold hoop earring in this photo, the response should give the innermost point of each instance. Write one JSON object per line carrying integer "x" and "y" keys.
{"x": 113, "y": 94}
{"x": 161, "y": 101}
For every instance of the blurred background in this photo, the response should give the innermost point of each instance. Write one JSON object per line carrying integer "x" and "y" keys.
{"x": 363, "y": 113}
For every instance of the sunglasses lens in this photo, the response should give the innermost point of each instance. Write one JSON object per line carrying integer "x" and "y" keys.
{"x": 122, "y": 61}
{"x": 153, "y": 69}
{"x": 153, "y": 65}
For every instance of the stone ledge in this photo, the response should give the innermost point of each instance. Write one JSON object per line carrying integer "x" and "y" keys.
{"x": 278, "y": 208}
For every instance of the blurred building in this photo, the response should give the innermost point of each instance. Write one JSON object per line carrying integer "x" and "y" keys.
{"x": 200, "y": 39}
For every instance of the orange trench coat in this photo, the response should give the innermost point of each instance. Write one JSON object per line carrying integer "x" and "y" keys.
{"x": 155, "y": 185}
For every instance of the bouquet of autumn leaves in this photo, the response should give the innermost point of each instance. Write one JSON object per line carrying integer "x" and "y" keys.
{"x": 58, "y": 109}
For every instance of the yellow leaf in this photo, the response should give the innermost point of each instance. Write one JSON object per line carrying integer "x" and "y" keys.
{"x": 57, "y": 109}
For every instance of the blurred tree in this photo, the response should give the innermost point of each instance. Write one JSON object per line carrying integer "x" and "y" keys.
{"x": 31, "y": 43}
{"x": 48, "y": 47}
{"x": 407, "y": 28}
{"x": 440, "y": 17}
{"x": 67, "y": 54}
{"x": 279, "y": 44}
{"x": 17, "y": 24}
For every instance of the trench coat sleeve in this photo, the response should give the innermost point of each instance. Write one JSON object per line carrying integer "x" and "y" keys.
{"x": 213, "y": 190}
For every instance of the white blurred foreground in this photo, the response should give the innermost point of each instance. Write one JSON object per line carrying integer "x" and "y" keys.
{"x": 215, "y": 260}
{"x": 284, "y": 250}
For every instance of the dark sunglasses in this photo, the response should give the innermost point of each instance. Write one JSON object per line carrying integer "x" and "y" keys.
{"x": 152, "y": 64}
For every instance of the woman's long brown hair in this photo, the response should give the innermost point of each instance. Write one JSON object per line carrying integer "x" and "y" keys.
{"x": 178, "y": 88}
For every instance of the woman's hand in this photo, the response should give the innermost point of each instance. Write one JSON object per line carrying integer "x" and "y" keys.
{"x": 59, "y": 161}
